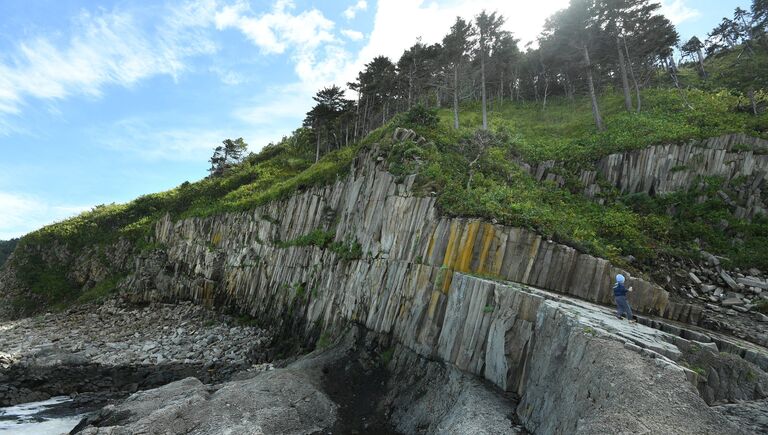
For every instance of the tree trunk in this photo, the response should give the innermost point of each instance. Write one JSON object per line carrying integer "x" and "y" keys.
{"x": 357, "y": 116}
{"x": 624, "y": 80}
{"x": 700, "y": 56}
{"x": 384, "y": 114}
{"x": 501, "y": 88}
{"x": 673, "y": 74}
{"x": 456, "y": 96}
{"x": 410, "y": 89}
{"x": 632, "y": 73}
{"x": 592, "y": 94}
{"x": 482, "y": 88}
{"x": 546, "y": 88}
{"x": 752, "y": 102}
{"x": 317, "y": 148}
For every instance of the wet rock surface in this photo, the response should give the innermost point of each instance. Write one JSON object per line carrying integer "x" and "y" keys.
{"x": 99, "y": 352}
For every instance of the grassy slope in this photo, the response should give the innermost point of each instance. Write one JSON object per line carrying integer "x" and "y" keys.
{"x": 733, "y": 70}
{"x": 500, "y": 190}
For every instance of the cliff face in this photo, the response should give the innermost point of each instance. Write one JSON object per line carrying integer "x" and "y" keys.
{"x": 407, "y": 251}
{"x": 60, "y": 273}
{"x": 669, "y": 168}
{"x": 401, "y": 270}
{"x": 411, "y": 283}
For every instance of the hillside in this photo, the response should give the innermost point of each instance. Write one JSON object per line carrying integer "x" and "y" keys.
{"x": 462, "y": 258}
{"x": 638, "y": 227}
{"x": 6, "y": 248}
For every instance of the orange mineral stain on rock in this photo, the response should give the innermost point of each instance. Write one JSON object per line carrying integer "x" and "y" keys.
{"x": 450, "y": 249}
{"x": 488, "y": 233}
{"x": 466, "y": 247}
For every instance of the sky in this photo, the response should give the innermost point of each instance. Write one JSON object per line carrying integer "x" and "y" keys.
{"x": 102, "y": 102}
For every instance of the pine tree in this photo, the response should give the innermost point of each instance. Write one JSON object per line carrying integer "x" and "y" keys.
{"x": 456, "y": 47}
{"x": 489, "y": 30}
{"x": 695, "y": 46}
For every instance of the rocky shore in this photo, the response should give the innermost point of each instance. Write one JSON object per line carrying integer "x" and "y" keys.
{"x": 97, "y": 352}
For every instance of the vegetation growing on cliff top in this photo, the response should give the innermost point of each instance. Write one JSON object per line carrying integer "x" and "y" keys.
{"x": 500, "y": 190}
{"x": 549, "y": 103}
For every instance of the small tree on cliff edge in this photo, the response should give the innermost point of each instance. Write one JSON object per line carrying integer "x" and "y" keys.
{"x": 226, "y": 155}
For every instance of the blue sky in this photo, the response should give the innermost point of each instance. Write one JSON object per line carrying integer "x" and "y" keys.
{"x": 101, "y": 102}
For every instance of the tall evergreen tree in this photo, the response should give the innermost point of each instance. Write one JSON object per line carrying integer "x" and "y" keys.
{"x": 574, "y": 34}
{"x": 489, "y": 30}
{"x": 694, "y": 46}
{"x": 229, "y": 153}
{"x": 456, "y": 47}
{"x": 324, "y": 116}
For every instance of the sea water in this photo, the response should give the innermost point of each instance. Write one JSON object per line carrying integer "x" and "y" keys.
{"x": 52, "y": 416}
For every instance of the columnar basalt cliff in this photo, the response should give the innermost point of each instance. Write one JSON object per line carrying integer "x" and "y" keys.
{"x": 669, "y": 168}
{"x": 246, "y": 259}
{"x": 400, "y": 269}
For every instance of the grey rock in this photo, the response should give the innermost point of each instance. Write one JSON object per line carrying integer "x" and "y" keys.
{"x": 732, "y": 301}
{"x": 751, "y": 281}
{"x": 728, "y": 280}
{"x": 694, "y": 278}
{"x": 278, "y": 402}
{"x": 750, "y": 416}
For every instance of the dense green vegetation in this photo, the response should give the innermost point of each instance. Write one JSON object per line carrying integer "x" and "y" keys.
{"x": 563, "y": 130}
{"x": 636, "y": 225}
{"x": 6, "y": 248}
{"x": 730, "y": 70}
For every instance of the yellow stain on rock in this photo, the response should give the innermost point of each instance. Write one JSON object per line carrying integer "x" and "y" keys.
{"x": 466, "y": 246}
{"x": 216, "y": 239}
{"x": 488, "y": 233}
{"x": 208, "y": 288}
{"x": 447, "y": 279}
{"x": 430, "y": 248}
{"x": 450, "y": 250}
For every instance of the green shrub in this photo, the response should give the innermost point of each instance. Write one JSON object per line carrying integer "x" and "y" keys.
{"x": 100, "y": 291}
{"x": 762, "y": 306}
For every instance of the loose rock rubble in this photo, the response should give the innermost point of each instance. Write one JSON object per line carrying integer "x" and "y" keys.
{"x": 732, "y": 300}
{"x": 117, "y": 347}
{"x": 118, "y": 334}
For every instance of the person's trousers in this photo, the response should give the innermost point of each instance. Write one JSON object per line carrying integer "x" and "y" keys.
{"x": 622, "y": 307}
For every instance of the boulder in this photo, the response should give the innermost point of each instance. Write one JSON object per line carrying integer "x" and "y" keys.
{"x": 751, "y": 281}
{"x": 728, "y": 280}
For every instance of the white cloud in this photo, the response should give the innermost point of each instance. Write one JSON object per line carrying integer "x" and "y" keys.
{"x": 227, "y": 76}
{"x": 351, "y": 11}
{"x": 398, "y": 23}
{"x": 24, "y": 213}
{"x": 308, "y": 38}
{"x": 278, "y": 30}
{"x": 678, "y": 11}
{"x": 110, "y": 48}
{"x": 352, "y": 34}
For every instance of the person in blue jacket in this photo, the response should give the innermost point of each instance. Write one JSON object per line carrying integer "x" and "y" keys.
{"x": 620, "y": 294}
